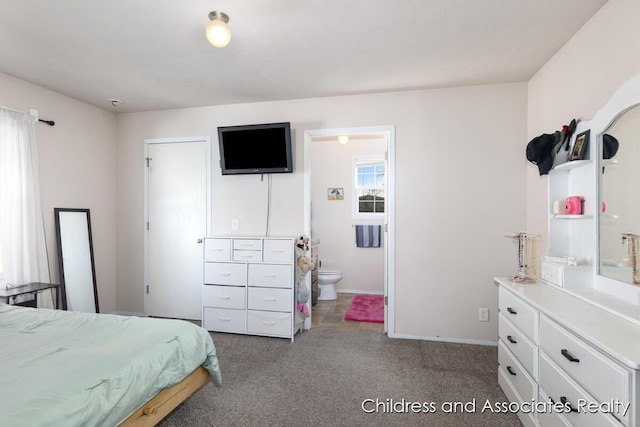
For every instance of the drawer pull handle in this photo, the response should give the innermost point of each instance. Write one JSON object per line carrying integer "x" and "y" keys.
{"x": 268, "y": 323}
{"x": 279, "y": 251}
{"x": 218, "y": 249}
{"x": 512, "y": 311}
{"x": 511, "y": 340}
{"x": 268, "y": 299}
{"x": 269, "y": 275}
{"x": 225, "y": 319}
{"x": 224, "y": 274}
{"x": 223, "y": 297}
{"x": 568, "y": 355}
{"x": 511, "y": 371}
{"x": 567, "y": 404}
{"x": 246, "y": 256}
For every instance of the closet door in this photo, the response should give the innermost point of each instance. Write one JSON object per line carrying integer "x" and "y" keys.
{"x": 177, "y": 209}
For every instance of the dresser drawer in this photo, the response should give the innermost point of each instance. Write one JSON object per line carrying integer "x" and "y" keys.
{"x": 224, "y": 320}
{"x": 519, "y": 313}
{"x": 550, "y": 417}
{"x": 270, "y": 299}
{"x": 225, "y": 273}
{"x": 247, "y": 244}
{"x": 524, "y": 350}
{"x": 598, "y": 374}
{"x": 278, "y": 250}
{"x": 271, "y": 275}
{"x": 217, "y": 249}
{"x": 516, "y": 374}
{"x": 224, "y": 296}
{"x": 527, "y": 419}
{"x": 562, "y": 389}
{"x": 247, "y": 256}
{"x": 269, "y": 323}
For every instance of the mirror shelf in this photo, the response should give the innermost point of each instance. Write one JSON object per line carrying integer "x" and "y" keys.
{"x": 599, "y": 279}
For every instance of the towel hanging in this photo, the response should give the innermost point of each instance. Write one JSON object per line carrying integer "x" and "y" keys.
{"x": 368, "y": 236}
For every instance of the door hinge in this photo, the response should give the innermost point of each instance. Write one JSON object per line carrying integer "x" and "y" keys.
{"x": 386, "y": 228}
{"x": 147, "y": 225}
{"x": 148, "y": 159}
{"x": 147, "y": 288}
{"x": 386, "y": 300}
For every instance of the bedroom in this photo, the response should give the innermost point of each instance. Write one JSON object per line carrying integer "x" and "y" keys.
{"x": 106, "y": 176}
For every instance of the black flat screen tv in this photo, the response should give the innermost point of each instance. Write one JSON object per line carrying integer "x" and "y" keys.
{"x": 256, "y": 149}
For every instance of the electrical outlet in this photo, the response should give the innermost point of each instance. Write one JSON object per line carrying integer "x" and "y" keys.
{"x": 483, "y": 314}
{"x": 234, "y": 224}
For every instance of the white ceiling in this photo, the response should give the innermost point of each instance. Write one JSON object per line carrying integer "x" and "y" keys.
{"x": 152, "y": 54}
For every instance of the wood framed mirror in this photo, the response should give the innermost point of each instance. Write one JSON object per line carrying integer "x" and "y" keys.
{"x": 78, "y": 285}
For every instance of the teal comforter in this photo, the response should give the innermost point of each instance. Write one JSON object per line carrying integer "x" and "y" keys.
{"x": 59, "y": 368}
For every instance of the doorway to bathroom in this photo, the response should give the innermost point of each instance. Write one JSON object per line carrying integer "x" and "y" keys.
{"x": 349, "y": 190}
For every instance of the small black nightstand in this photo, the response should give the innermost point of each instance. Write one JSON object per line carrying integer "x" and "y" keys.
{"x": 30, "y": 288}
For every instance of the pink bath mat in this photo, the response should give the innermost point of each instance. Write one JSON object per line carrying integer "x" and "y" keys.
{"x": 366, "y": 308}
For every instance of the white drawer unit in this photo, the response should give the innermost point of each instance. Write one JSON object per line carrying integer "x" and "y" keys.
{"x": 583, "y": 362}
{"x": 270, "y": 275}
{"x": 224, "y": 296}
{"x": 249, "y": 286}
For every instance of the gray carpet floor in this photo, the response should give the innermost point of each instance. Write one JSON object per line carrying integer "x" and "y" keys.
{"x": 323, "y": 378}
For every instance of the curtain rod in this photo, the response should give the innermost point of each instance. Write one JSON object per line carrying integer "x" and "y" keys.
{"x": 33, "y": 113}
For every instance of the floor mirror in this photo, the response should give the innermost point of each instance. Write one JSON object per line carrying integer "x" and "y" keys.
{"x": 75, "y": 260}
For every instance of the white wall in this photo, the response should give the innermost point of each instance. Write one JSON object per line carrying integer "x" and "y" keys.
{"x": 332, "y": 220}
{"x": 460, "y": 175}
{"x": 77, "y": 159}
{"x": 577, "y": 82}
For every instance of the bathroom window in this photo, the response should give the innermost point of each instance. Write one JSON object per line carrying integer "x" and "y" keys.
{"x": 369, "y": 188}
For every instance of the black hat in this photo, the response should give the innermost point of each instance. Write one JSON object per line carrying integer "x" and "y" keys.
{"x": 539, "y": 152}
{"x": 609, "y": 146}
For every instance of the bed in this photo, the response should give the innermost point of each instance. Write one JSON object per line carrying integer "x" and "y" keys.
{"x": 69, "y": 368}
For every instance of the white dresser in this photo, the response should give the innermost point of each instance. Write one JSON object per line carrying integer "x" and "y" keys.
{"x": 249, "y": 286}
{"x": 559, "y": 349}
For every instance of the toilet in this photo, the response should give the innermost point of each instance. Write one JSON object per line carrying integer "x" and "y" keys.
{"x": 327, "y": 280}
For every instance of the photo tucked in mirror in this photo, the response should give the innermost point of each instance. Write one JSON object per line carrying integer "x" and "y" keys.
{"x": 620, "y": 195}
{"x": 75, "y": 260}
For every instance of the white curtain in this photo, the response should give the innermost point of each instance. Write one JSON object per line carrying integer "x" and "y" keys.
{"x": 24, "y": 249}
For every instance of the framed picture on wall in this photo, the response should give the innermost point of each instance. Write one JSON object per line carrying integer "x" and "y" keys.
{"x": 335, "y": 193}
{"x": 579, "y": 150}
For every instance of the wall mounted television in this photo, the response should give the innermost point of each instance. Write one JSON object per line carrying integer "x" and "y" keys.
{"x": 255, "y": 149}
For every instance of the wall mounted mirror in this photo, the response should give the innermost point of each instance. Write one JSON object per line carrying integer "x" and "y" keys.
{"x": 620, "y": 221}
{"x": 75, "y": 260}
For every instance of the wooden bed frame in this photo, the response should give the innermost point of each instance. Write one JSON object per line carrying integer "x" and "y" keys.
{"x": 167, "y": 400}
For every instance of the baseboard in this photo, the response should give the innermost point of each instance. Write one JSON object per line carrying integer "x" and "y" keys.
{"x": 359, "y": 291}
{"x": 128, "y": 313}
{"x": 451, "y": 340}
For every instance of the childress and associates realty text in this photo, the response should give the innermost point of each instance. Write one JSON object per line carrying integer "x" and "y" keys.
{"x": 387, "y": 406}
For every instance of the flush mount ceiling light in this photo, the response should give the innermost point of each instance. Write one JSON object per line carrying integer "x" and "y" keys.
{"x": 218, "y": 32}
{"x": 343, "y": 139}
